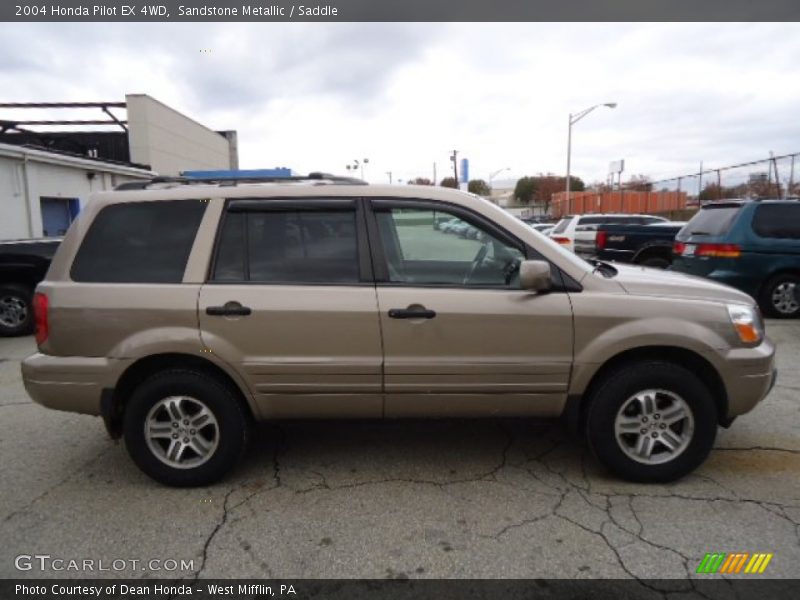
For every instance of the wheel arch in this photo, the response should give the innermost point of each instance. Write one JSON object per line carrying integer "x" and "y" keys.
{"x": 114, "y": 401}
{"x": 577, "y": 404}
{"x": 782, "y": 270}
{"x": 647, "y": 251}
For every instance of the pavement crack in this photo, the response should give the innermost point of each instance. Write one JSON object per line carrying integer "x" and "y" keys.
{"x": 763, "y": 448}
{"x": 487, "y": 476}
{"x": 280, "y": 444}
{"x": 517, "y": 525}
{"x": 214, "y": 532}
{"x": 56, "y": 485}
{"x": 787, "y": 387}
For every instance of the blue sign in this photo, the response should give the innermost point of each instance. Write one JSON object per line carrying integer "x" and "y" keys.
{"x": 464, "y": 170}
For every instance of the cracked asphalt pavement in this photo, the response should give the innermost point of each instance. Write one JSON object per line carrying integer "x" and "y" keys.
{"x": 445, "y": 499}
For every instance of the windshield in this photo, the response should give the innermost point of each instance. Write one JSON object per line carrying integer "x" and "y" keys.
{"x": 711, "y": 221}
{"x": 561, "y": 225}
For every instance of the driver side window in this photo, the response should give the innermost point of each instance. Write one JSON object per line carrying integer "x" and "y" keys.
{"x": 429, "y": 247}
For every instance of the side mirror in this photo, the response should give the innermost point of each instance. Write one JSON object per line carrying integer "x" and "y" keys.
{"x": 535, "y": 275}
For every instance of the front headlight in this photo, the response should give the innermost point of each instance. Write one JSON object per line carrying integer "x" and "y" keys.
{"x": 747, "y": 323}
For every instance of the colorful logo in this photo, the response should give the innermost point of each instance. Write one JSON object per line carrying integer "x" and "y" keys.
{"x": 737, "y": 562}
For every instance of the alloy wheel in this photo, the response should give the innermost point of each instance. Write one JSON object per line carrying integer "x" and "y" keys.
{"x": 181, "y": 432}
{"x": 13, "y": 311}
{"x": 654, "y": 426}
{"x": 783, "y": 298}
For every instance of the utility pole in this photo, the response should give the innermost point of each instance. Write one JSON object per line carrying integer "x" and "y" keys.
{"x": 700, "y": 182}
{"x": 777, "y": 177}
{"x": 434, "y": 173}
{"x": 454, "y": 158}
{"x": 389, "y": 173}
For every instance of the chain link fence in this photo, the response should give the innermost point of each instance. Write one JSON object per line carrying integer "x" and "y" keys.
{"x": 773, "y": 177}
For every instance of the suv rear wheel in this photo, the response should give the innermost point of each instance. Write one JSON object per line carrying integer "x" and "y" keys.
{"x": 779, "y": 297}
{"x": 184, "y": 428}
{"x": 651, "y": 421}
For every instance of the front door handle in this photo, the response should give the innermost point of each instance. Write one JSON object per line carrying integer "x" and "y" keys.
{"x": 411, "y": 313}
{"x": 229, "y": 309}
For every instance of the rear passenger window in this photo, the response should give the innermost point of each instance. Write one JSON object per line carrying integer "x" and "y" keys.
{"x": 592, "y": 220}
{"x": 139, "y": 242}
{"x": 778, "y": 221}
{"x": 288, "y": 247}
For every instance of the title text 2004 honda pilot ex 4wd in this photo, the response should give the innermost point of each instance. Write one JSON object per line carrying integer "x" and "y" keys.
{"x": 182, "y": 312}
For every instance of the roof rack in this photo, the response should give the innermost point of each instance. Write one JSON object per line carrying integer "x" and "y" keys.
{"x": 317, "y": 177}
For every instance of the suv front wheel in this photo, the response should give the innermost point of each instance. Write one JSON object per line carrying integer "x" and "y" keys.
{"x": 651, "y": 421}
{"x": 184, "y": 428}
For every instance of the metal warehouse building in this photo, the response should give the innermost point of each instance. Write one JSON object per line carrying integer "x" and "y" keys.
{"x": 46, "y": 175}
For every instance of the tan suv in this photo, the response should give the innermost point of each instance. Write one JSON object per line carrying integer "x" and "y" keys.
{"x": 181, "y": 312}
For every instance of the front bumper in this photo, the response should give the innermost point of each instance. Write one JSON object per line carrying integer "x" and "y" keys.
{"x": 68, "y": 383}
{"x": 749, "y": 375}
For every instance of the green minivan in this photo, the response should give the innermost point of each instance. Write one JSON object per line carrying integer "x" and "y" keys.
{"x": 752, "y": 245}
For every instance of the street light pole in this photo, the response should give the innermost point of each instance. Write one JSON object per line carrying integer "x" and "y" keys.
{"x": 574, "y": 118}
{"x": 357, "y": 165}
{"x": 495, "y": 174}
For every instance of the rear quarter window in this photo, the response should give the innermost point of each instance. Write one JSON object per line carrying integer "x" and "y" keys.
{"x": 712, "y": 221}
{"x": 777, "y": 221}
{"x": 139, "y": 242}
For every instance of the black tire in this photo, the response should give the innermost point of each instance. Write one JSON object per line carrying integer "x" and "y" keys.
{"x": 618, "y": 387}
{"x": 221, "y": 401}
{"x": 782, "y": 310}
{"x": 655, "y": 262}
{"x": 16, "y": 301}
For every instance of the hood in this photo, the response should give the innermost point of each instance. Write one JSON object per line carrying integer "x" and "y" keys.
{"x": 656, "y": 282}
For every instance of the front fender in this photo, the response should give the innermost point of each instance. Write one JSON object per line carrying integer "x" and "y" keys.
{"x": 601, "y": 337}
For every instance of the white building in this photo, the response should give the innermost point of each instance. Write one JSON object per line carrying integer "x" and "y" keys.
{"x": 170, "y": 142}
{"x": 41, "y": 192}
{"x": 46, "y": 176}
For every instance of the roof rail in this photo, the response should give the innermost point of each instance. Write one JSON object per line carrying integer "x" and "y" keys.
{"x": 318, "y": 177}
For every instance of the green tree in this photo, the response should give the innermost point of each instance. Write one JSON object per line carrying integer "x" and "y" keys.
{"x": 420, "y": 181}
{"x": 479, "y": 187}
{"x": 449, "y": 182}
{"x": 540, "y": 188}
{"x": 576, "y": 184}
{"x": 525, "y": 190}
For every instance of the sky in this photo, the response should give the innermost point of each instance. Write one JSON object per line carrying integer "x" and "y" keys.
{"x": 318, "y": 96}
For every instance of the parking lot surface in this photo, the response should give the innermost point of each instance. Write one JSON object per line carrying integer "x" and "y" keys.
{"x": 445, "y": 499}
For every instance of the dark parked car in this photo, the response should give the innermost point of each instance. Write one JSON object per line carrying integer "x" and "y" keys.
{"x": 646, "y": 245}
{"x": 751, "y": 245}
{"x": 23, "y": 264}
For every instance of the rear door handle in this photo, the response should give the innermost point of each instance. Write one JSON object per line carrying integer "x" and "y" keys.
{"x": 229, "y": 309}
{"x": 411, "y": 313}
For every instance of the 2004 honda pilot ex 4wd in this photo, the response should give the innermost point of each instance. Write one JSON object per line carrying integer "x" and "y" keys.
{"x": 183, "y": 312}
